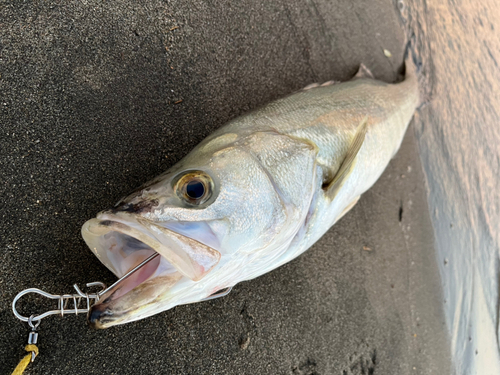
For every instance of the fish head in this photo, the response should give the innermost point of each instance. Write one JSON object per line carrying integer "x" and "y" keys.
{"x": 206, "y": 216}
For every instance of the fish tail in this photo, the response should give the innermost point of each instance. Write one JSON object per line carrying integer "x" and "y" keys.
{"x": 406, "y": 95}
{"x": 416, "y": 78}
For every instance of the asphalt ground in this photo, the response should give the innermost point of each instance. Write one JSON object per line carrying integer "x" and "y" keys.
{"x": 98, "y": 97}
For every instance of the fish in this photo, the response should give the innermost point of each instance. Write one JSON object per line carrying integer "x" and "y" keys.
{"x": 252, "y": 196}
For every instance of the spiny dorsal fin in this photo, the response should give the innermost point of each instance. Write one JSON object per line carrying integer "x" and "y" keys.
{"x": 364, "y": 72}
{"x": 314, "y": 85}
{"x": 349, "y": 161}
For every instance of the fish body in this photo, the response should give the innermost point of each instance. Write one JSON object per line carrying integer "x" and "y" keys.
{"x": 252, "y": 196}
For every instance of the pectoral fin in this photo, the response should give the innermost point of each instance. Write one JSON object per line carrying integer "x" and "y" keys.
{"x": 349, "y": 162}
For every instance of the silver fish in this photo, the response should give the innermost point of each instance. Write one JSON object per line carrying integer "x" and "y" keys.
{"x": 252, "y": 196}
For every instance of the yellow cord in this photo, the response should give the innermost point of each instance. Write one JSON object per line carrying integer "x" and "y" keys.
{"x": 26, "y": 360}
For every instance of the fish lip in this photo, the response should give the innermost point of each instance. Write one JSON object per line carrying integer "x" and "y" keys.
{"x": 97, "y": 316}
{"x": 158, "y": 238}
{"x": 109, "y": 310}
{"x": 103, "y": 314}
{"x": 109, "y": 221}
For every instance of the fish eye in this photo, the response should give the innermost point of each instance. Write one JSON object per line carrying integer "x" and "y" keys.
{"x": 194, "y": 187}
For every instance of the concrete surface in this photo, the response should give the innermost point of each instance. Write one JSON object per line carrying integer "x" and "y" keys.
{"x": 459, "y": 141}
{"x": 88, "y": 112}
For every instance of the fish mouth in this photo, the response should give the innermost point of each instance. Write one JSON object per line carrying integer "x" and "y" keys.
{"x": 123, "y": 242}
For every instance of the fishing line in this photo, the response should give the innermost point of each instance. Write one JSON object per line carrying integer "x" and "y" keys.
{"x": 77, "y": 303}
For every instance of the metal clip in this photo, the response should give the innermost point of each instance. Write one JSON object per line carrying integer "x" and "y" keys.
{"x": 33, "y": 336}
{"x": 64, "y": 299}
{"x": 62, "y": 304}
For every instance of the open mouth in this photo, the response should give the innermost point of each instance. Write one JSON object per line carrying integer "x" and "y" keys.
{"x": 123, "y": 242}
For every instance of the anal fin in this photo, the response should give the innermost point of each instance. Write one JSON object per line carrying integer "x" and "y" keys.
{"x": 349, "y": 161}
{"x": 348, "y": 208}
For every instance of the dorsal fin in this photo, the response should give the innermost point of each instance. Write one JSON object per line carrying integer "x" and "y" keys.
{"x": 349, "y": 161}
{"x": 364, "y": 72}
{"x": 314, "y": 85}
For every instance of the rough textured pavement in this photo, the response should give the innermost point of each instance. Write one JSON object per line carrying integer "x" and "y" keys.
{"x": 98, "y": 97}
